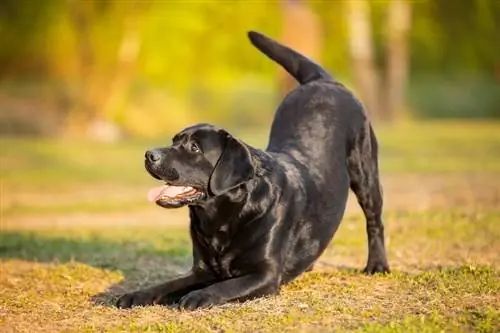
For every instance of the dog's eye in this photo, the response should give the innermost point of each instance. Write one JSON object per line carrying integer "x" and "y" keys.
{"x": 195, "y": 148}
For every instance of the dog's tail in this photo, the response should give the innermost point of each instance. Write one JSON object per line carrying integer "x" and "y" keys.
{"x": 301, "y": 68}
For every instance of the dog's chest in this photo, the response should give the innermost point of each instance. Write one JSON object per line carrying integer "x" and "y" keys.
{"x": 219, "y": 241}
{"x": 215, "y": 251}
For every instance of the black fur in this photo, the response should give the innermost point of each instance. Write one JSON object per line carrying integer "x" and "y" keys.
{"x": 263, "y": 217}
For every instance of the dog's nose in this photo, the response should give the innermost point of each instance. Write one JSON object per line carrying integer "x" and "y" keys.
{"x": 153, "y": 156}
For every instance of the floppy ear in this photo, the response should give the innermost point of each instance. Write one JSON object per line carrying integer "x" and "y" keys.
{"x": 234, "y": 166}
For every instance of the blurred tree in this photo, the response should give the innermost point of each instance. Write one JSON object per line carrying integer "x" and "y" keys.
{"x": 398, "y": 28}
{"x": 380, "y": 74}
{"x": 361, "y": 50}
{"x": 84, "y": 110}
{"x": 104, "y": 71}
{"x": 302, "y": 32}
{"x": 127, "y": 55}
{"x": 19, "y": 45}
{"x": 153, "y": 66}
{"x": 454, "y": 50}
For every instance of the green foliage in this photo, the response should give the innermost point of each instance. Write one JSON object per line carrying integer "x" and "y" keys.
{"x": 18, "y": 22}
{"x": 451, "y": 37}
{"x": 195, "y": 62}
{"x": 455, "y": 97}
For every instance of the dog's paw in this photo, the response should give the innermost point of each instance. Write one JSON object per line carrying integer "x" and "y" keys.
{"x": 374, "y": 267}
{"x": 138, "y": 298}
{"x": 199, "y": 299}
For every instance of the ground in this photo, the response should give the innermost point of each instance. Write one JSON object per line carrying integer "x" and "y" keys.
{"x": 76, "y": 231}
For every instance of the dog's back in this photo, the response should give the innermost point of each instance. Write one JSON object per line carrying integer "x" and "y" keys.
{"x": 323, "y": 126}
{"x": 318, "y": 120}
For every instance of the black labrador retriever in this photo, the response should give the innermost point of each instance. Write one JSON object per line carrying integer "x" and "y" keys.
{"x": 261, "y": 218}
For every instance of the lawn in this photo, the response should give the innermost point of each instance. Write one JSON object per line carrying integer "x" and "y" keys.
{"x": 76, "y": 231}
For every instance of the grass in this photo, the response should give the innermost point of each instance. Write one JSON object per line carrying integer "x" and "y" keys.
{"x": 409, "y": 147}
{"x": 76, "y": 231}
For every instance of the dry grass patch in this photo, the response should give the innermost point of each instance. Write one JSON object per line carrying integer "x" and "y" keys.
{"x": 74, "y": 235}
{"x": 59, "y": 298}
{"x": 446, "y": 277}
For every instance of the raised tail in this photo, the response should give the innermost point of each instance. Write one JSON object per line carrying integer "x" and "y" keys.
{"x": 301, "y": 68}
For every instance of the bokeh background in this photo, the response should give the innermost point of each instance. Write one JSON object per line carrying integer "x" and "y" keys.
{"x": 86, "y": 87}
{"x": 113, "y": 69}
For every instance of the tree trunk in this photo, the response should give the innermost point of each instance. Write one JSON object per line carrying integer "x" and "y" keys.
{"x": 398, "y": 26}
{"x": 113, "y": 101}
{"x": 301, "y": 32}
{"x": 361, "y": 50}
{"x": 82, "y": 111}
{"x": 102, "y": 95}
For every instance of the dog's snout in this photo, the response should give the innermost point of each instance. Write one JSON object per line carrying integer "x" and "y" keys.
{"x": 171, "y": 174}
{"x": 153, "y": 156}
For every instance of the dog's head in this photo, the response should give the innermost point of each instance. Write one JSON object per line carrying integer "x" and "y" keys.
{"x": 202, "y": 162}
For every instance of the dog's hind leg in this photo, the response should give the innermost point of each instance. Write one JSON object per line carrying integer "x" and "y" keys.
{"x": 365, "y": 183}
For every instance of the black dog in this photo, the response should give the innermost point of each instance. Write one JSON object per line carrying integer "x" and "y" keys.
{"x": 261, "y": 218}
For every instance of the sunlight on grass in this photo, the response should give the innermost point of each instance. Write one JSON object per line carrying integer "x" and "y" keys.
{"x": 413, "y": 147}
{"x": 77, "y": 232}
{"x": 435, "y": 284}
{"x": 318, "y": 300}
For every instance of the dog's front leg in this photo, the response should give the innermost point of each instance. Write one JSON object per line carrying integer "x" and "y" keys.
{"x": 236, "y": 289}
{"x": 165, "y": 293}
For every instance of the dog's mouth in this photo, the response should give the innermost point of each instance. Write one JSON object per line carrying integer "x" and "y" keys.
{"x": 170, "y": 196}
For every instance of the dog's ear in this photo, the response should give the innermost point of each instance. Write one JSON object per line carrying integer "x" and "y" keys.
{"x": 234, "y": 166}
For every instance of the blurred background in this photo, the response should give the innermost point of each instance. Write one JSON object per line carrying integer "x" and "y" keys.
{"x": 87, "y": 86}
{"x": 108, "y": 70}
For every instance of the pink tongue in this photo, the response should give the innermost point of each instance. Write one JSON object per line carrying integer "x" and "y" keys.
{"x": 155, "y": 192}
{"x": 165, "y": 190}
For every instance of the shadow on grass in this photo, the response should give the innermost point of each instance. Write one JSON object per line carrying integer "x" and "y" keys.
{"x": 151, "y": 258}
{"x": 142, "y": 263}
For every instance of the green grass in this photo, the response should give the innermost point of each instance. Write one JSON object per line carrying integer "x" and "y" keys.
{"x": 76, "y": 231}
{"x": 37, "y": 166}
{"x": 72, "y": 276}
{"x": 412, "y": 147}
{"x": 431, "y": 147}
